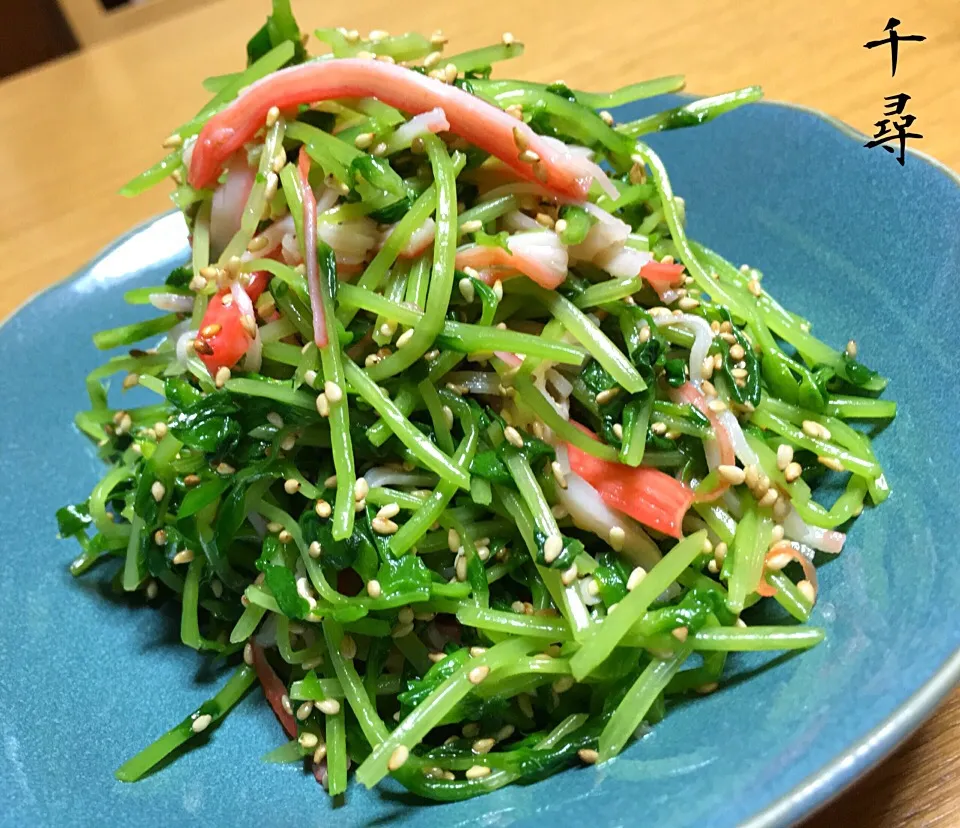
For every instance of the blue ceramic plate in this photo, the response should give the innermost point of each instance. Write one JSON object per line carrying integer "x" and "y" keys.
{"x": 846, "y": 236}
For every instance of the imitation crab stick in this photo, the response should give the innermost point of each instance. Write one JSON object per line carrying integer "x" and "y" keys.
{"x": 482, "y": 124}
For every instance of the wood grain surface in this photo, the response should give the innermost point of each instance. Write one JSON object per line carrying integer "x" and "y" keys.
{"x": 71, "y": 133}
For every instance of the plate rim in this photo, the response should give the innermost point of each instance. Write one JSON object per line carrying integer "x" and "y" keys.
{"x": 825, "y": 785}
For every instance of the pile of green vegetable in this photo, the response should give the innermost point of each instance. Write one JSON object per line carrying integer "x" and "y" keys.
{"x": 463, "y": 529}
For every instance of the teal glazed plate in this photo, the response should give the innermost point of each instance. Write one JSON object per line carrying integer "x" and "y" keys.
{"x": 846, "y": 237}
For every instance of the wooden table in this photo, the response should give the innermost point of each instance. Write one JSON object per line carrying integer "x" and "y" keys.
{"x": 73, "y": 132}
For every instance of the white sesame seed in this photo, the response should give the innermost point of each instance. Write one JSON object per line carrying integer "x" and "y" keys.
{"x": 460, "y": 568}
{"x": 374, "y": 590}
{"x": 562, "y": 684}
{"x": 308, "y": 741}
{"x": 201, "y": 722}
{"x": 404, "y": 338}
{"x": 453, "y": 540}
{"x": 792, "y": 471}
{"x": 588, "y": 756}
{"x": 304, "y": 711}
{"x": 364, "y": 140}
{"x": 330, "y": 482}
{"x": 432, "y": 59}
{"x": 158, "y": 490}
{"x": 329, "y": 707}
{"x": 467, "y": 291}
{"x": 478, "y": 674}
{"x": 717, "y": 406}
{"x": 636, "y": 576}
{"x": 436, "y": 658}
{"x": 310, "y": 377}
{"x": 606, "y": 395}
{"x": 152, "y": 590}
{"x": 361, "y": 489}
{"x": 512, "y": 436}
{"x": 807, "y": 590}
{"x": 506, "y": 39}
{"x": 851, "y": 349}
{"x": 811, "y": 428}
{"x": 471, "y": 226}
{"x": 288, "y": 442}
{"x": 687, "y": 303}
{"x": 389, "y": 510}
{"x": 707, "y": 689}
{"x": 569, "y": 575}
{"x": 498, "y": 289}
{"x": 477, "y": 772}
{"x": 777, "y": 562}
{"x": 291, "y": 485}
{"x": 732, "y": 474}
{"x": 333, "y": 391}
{"x": 273, "y": 115}
{"x": 593, "y": 587}
{"x": 557, "y": 470}
{"x": 658, "y": 428}
{"x": 784, "y": 456}
{"x": 754, "y": 287}
{"x": 616, "y": 537}
{"x": 528, "y": 156}
{"x": 552, "y": 547}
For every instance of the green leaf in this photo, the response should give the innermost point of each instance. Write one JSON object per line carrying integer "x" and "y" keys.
{"x": 72, "y": 519}
{"x": 282, "y": 583}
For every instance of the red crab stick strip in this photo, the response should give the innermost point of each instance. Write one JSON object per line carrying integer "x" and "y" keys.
{"x": 482, "y": 124}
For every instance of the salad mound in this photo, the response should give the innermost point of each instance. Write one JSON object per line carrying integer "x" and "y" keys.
{"x": 462, "y": 449}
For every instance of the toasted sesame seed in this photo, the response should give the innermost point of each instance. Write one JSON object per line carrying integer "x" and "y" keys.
{"x": 831, "y": 463}
{"x": 323, "y": 509}
{"x": 606, "y": 117}
{"x": 739, "y": 373}
{"x": 160, "y": 429}
{"x": 453, "y": 540}
{"x": 471, "y": 226}
{"x": 361, "y": 489}
{"x": 717, "y": 405}
{"x": 569, "y": 575}
{"x": 513, "y": 437}
{"x": 777, "y": 562}
{"x": 751, "y": 475}
{"x": 330, "y": 482}
{"x": 436, "y": 658}
{"x": 291, "y": 485}
{"x": 210, "y": 330}
{"x": 680, "y": 633}
{"x": 769, "y": 498}
{"x": 333, "y": 391}
{"x": 460, "y": 568}
{"x": 348, "y": 647}
{"x": 248, "y": 654}
{"x": 605, "y": 396}
{"x": 158, "y": 490}
{"x": 284, "y": 536}
{"x": 528, "y": 156}
{"x": 707, "y": 689}
{"x": 851, "y": 349}
{"x": 483, "y": 745}
{"x": 225, "y": 468}
{"x": 562, "y": 684}
{"x": 552, "y": 547}
{"x": 519, "y": 138}
{"x": 688, "y": 303}
{"x": 754, "y": 287}
{"x": 152, "y": 590}
{"x": 478, "y": 674}
{"x": 784, "y": 456}
{"x": 432, "y": 59}
{"x": 477, "y": 772}
{"x": 807, "y": 590}
{"x": 288, "y": 441}
{"x": 201, "y": 722}
{"x": 636, "y": 577}
{"x": 401, "y": 630}
{"x": 732, "y": 474}
{"x": 792, "y": 471}
{"x": 736, "y": 352}
{"x": 588, "y": 756}
{"x": 389, "y": 510}
{"x": 659, "y": 428}
{"x": 398, "y": 758}
{"x": 184, "y": 556}
{"x": 222, "y": 375}
{"x": 384, "y": 526}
